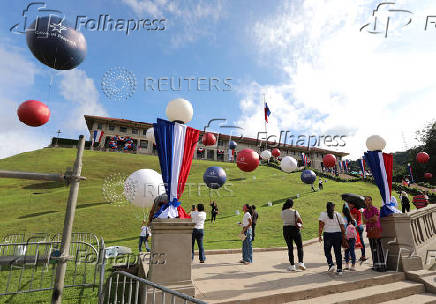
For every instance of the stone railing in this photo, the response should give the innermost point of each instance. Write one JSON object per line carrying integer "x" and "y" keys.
{"x": 409, "y": 239}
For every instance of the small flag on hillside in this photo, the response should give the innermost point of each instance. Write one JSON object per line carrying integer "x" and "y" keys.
{"x": 267, "y": 112}
{"x": 97, "y": 136}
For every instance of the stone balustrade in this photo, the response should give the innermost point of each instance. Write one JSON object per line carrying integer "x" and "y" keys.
{"x": 409, "y": 239}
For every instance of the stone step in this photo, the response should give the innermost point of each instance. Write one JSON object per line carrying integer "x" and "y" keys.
{"x": 323, "y": 289}
{"x": 372, "y": 294}
{"x": 421, "y": 298}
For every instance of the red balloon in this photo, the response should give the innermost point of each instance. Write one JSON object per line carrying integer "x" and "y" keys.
{"x": 329, "y": 160}
{"x": 422, "y": 157}
{"x": 208, "y": 139}
{"x": 275, "y": 152}
{"x": 33, "y": 113}
{"x": 247, "y": 160}
{"x": 428, "y": 175}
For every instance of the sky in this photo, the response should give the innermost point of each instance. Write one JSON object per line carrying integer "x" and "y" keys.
{"x": 319, "y": 68}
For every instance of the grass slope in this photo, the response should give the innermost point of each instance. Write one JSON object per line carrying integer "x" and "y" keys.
{"x": 21, "y": 210}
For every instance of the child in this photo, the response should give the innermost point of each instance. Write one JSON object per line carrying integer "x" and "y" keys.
{"x": 351, "y": 234}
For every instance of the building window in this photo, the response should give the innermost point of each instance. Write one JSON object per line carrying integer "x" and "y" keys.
{"x": 144, "y": 144}
{"x": 111, "y": 127}
{"x": 99, "y": 126}
{"x": 220, "y": 142}
{"x": 123, "y": 129}
{"x": 144, "y": 132}
{"x": 134, "y": 131}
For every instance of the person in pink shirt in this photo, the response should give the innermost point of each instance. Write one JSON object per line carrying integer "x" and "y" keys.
{"x": 351, "y": 235}
{"x": 371, "y": 217}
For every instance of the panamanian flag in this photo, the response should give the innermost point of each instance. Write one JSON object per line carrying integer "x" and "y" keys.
{"x": 340, "y": 165}
{"x": 381, "y": 165}
{"x": 267, "y": 112}
{"x": 97, "y": 135}
{"x": 175, "y": 144}
{"x": 304, "y": 159}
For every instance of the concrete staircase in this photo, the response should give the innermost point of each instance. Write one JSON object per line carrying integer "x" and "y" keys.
{"x": 392, "y": 288}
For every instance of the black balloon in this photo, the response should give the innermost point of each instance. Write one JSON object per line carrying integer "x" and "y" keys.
{"x": 55, "y": 44}
{"x": 214, "y": 177}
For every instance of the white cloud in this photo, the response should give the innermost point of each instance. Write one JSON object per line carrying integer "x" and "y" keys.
{"x": 81, "y": 91}
{"x": 17, "y": 74}
{"x": 187, "y": 20}
{"x": 339, "y": 79}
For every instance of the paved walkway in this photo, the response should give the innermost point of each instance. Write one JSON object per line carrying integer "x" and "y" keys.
{"x": 223, "y": 279}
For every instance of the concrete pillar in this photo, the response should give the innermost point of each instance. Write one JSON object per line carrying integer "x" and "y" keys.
{"x": 215, "y": 154}
{"x": 173, "y": 238}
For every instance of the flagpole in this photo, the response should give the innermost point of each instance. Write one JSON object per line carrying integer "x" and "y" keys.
{"x": 266, "y": 130}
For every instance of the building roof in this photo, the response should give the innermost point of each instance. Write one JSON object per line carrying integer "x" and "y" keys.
{"x": 247, "y": 140}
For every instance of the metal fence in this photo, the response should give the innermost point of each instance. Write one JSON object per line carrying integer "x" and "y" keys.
{"x": 125, "y": 288}
{"x": 30, "y": 265}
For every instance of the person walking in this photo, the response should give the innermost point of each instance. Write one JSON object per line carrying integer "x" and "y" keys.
{"x": 351, "y": 235}
{"x": 255, "y": 217}
{"x": 371, "y": 217}
{"x": 144, "y": 235}
{"x": 332, "y": 223}
{"x": 357, "y": 215}
{"x": 320, "y": 186}
{"x": 247, "y": 249}
{"x": 213, "y": 212}
{"x": 405, "y": 202}
{"x": 198, "y": 217}
{"x": 292, "y": 223}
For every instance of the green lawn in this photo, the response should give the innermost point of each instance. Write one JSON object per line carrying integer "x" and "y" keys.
{"x": 33, "y": 206}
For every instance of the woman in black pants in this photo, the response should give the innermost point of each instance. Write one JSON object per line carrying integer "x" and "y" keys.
{"x": 291, "y": 232}
{"x": 332, "y": 223}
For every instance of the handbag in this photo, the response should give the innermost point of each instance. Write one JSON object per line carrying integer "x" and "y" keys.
{"x": 344, "y": 243}
{"x": 242, "y": 236}
{"x": 297, "y": 225}
{"x": 373, "y": 232}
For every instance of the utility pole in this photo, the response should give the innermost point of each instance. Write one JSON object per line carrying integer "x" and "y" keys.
{"x": 68, "y": 225}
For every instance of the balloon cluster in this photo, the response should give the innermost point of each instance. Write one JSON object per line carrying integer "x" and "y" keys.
{"x": 127, "y": 141}
{"x": 58, "y": 46}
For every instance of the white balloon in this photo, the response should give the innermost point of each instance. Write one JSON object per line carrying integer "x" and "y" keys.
{"x": 142, "y": 187}
{"x": 179, "y": 109}
{"x": 150, "y": 135}
{"x": 288, "y": 164}
{"x": 266, "y": 154}
{"x": 375, "y": 143}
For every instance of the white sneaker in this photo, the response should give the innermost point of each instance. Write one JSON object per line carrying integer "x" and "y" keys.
{"x": 332, "y": 268}
{"x": 301, "y": 266}
{"x": 339, "y": 272}
{"x": 292, "y": 268}
{"x": 353, "y": 268}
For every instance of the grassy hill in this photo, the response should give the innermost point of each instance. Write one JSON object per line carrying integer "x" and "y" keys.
{"x": 32, "y": 206}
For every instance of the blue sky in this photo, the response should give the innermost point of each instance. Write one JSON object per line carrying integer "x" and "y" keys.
{"x": 317, "y": 70}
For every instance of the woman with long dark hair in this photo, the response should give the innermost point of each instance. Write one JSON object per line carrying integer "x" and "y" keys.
{"x": 332, "y": 223}
{"x": 247, "y": 249}
{"x": 292, "y": 224}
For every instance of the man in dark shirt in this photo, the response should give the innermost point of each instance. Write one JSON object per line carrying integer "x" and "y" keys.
{"x": 254, "y": 218}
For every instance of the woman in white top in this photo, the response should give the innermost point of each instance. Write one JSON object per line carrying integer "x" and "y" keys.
{"x": 247, "y": 249}
{"x": 332, "y": 223}
{"x": 144, "y": 235}
{"x": 291, "y": 232}
{"x": 198, "y": 217}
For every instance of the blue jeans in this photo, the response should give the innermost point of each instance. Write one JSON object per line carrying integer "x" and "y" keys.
{"x": 333, "y": 239}
{"x": 247, "y": 249}
{"x": 350, "y": 252}
{"x": 143, "y": 239}
{"x": 360, "y": 231}
{"x": 197, "y": 235}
